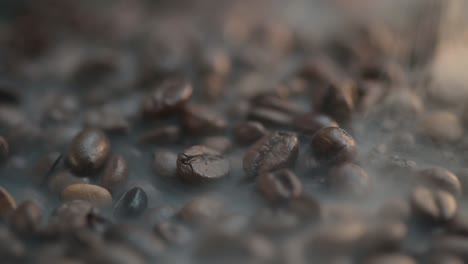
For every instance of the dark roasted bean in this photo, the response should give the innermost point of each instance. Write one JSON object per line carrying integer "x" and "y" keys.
{"x": 201, "y": 164}
{"x": 279, "y": 185}
{"x": 249, "y": 132}
{"x": 87, "y": 192}
{"x": 349, "y": 178}
{"x": 4, "y": 149}
{"x": 26, "y": 218}
{"x": 279, "y": 104}
{"x": 218, "y": 143}
{"x": 200, "y": 120}
{"x": 131, "y": 204}
{"x": 311, "y": 123}
{"x": 162, "y": 135}
{"x": 332, "y": 145}
{"x": 433, "y": 206}
{"x": 275, "y": 151}
{"x": 440, "y": 178}
{"x": 270, "y": 117}
{"x": 62, "y": 179}
{"x": 165, "y": 163}
{"x": 7, "y": 203}
{"x": 88, "y": 152}
{"x": 200, "y": 210}
{"x": 116, "y": 173}
{"x": 173, "y": 233}
{"x": 340, "y": 101}
{"x": 46, "y": 165}
{"x": 441, "y": 127}
{"x": 108, "y": 121}
{"x": 167, "y": 98}
{"x": 391, "y": 259}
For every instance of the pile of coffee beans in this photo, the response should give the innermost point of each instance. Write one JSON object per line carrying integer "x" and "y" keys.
{"x": 143, "y": 131}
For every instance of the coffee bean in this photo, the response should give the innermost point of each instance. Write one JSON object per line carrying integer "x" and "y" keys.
{"x": 398, "y": 209}
{"x": 200, "y": 210}
{"x": 131, "y": 204}
{"x": 332, "y": 145}
{"x": 440, "y": 178}
{"x": 201, "y": 164}
{"x": 433, "y": 206}
{"x": 45, "y": 166}
{"x": 402, "y": 102}
{"x": 87, "y": 192}
{"x": 349, "y": 178}
{"x": 383, "y": 236}
{"x": 71, "y": 215}
{"x": 88, "y": 152}
{"x": 165, "y": 163}
{"x": 218, "y": 143}
{"x": 279, "y": 185}
{"x": 337, "y": 237}
{"x": 173, "y": 233}
{"x": 275, "y": 151}
{"x": 162, "y": 135}
{"x": 311, "y": 123}
{"x": 270, "y": 117}
{"x": 62, "y": 179}
{"x": 4, "y": 149}
{"x": 340, "y": 101}
{"x": 116, "y": 173}
{"x": 441, "y": 127}
{"x": 249, "y": 132}
{"x": 198, "y": 120}
{"x": 7, "y": 203}
{"x": 280, "y": 104}
{"x": 167, "y": 98}
{"x": 391, "y": 259}
{"x": 107, "y": 120}
{"x": 26, "y": 218}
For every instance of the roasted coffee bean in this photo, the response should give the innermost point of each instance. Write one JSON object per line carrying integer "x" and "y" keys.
{"x": 441, "y": 127}
{"x": 4, "y": 149}
{"x": 201, "y": 164}
{"x": 167, "y": 98}
{"x": 198, "y": 120}
{"x": 200, "y": 210}
{"x": 383, "y": 236}
{"x": 116, "y": 173}
{"x": 332, "y": 145}
{"x": 45, "y": 166}
{"x": 402, "y": 102}
{"x": 391, "y": 259}
{"x": 87, "y": 192}
{"x": 279, "y": 185}
{"x": 280, "y": 104}
{"x": 162, "y": 135}
{"x": 451, "y": 245}
{"x": 165, "y": 163}
{"x": 88, "y": 152}
{"x": 131, "y": 204}
{"x": 218, "y": 143}
{"x": 311, "y": 123}
{"x": 249, "y": 132}
{"x": 349, "y": 178}
{"x": 433, "y": 206}
{"x": 398, "y": 209}
{"x": 26, "y": 218}
{"x": 275, "y": 151}
{"x": 440, "y": 178}
{"x": 72, "y": 215}
{"x": 273, "y": 221}
{"x": 270, "y": 117}
{"x": 62, "y": 179}
{"x": 7, "y": 203}
{"x": 173, "y": 233}
{"x": 138, "y": 239}
{"x": 340, "y": 100}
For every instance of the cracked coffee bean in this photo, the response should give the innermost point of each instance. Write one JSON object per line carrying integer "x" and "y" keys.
{"x": 131, "y": 204}
{"x": 279, "y": 185}
{"x": 88, "y": 152}
{"x": 167, "y": 98}
{"x": 332, "y": 145}
{"x": 433, "y": 206}
{"x": 201, "y": 164}
{"x": 275, "y": 151}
